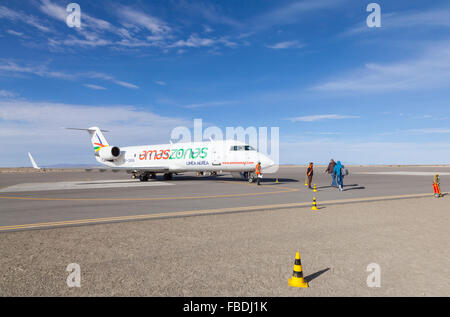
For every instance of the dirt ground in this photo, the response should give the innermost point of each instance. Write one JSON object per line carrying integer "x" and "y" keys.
{"x": 241, "y": 254}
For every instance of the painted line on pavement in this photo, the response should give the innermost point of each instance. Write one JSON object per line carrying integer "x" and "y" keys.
{"x": 202, "y": 212}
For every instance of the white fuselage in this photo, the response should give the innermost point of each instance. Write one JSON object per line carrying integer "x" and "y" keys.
{"x": 226, "y": 156}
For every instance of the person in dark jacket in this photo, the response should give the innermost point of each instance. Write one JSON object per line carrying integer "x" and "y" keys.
{"x": 330, "y": 170}
{"x": 309, "y": 174}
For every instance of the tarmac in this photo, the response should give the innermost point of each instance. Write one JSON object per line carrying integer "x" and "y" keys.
{"x": 205, "y": 236}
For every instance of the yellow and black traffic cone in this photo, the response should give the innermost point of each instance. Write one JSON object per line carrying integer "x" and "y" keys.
{"x": 297, "y": 279}
{"x": 276, "y": 181}
{"x": 314, "y": 206}
{"x": 306, "y": 181}
{"x": 315, "y": 188}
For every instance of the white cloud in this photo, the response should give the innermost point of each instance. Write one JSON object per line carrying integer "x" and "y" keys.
{"x": 110, "y": 78}
{"x": 126, "y": 85}
{"x": 95, "y": 32}
{"x": 209, "y": 104}
{"x": 39, "y": 127}
{"x": 322, "y": 117}
{"x": 160, "y": 82}
{"x": 208, "y": 11}
{"x": 291, "y": 13}
{"x": 322, "y": 150}
{"x": 59, "y": 13}
{"x": 43, "y": 71}
{"x": 429, "y": 131}
{"x": 286, "y": 44}
{"x": 15, "y": 33}
{"x": 7, "y": 94}
{"x": 9, "y": 14}
{"x": 406, "y": 19}
{"x": 95, "y": 87}
{"x": 151, "y": 23}
{"x": 429, "y": 70}
{"x": 194, "y": 41}
{"x": 53, "y": 10}
{"x": 136, "y": 29}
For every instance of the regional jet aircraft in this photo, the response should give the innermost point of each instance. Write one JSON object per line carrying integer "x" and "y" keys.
{"x": 204, "y": 158}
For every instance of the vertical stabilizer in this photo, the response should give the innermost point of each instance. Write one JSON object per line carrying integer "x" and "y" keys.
{"x": 97, "y": 139}
{"x": 33, "y": 162}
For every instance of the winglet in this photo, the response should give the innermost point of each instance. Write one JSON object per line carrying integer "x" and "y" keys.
{"x": 33, "y": 162}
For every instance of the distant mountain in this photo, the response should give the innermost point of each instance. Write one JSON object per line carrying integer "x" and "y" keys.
{"x": 74, "y": 166}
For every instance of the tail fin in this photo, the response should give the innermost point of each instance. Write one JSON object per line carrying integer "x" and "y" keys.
{"x": 97, "y": 139}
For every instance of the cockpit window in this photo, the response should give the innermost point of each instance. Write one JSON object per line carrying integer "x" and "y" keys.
{"x": 242, "y": 148}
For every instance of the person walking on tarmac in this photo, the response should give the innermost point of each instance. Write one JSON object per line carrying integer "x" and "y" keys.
{"x": 330, "y": 170}
{"x": 258, "y": 173}
{"x": 309, "y": 174}
{"x": 339, "y": 171}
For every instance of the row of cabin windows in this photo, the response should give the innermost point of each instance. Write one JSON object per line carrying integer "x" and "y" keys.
{"x": 242, "y": 148}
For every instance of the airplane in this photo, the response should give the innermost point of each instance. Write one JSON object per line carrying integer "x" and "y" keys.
{"x": 204, "y": 158}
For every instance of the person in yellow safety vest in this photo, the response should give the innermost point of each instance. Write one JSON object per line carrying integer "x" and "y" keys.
{"x": 309, "y": 174}
{"x": 258, "y": 173}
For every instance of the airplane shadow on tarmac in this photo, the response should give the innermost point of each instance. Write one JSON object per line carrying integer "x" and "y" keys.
{"x": 310, "y": 277}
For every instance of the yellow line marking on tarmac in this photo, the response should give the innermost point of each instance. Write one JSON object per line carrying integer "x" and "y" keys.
{"x": 283, "y": 190}
{"x": 202, "y": 212}
{"x": 146, "y": 199}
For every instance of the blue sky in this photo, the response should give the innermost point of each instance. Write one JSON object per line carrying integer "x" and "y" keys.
{"x": 335, "y": 87}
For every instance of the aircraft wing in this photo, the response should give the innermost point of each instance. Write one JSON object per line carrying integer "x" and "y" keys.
{"x": 153, "y": 169}
{"x": 156, "y": 169}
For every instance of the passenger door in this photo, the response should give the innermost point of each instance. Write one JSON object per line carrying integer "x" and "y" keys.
{"x": 216, "y": 156}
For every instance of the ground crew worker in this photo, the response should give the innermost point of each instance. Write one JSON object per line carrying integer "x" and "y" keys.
{"x": 309, "y": 174}
{"x": 258, "y": 173}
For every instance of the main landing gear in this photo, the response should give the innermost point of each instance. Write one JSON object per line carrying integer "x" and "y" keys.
{"x": 144, "y": 177}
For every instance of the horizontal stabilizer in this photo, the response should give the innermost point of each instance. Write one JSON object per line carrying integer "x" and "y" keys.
{"x": 88, "y": 129}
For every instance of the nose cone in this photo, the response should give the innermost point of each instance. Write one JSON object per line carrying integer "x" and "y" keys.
{"x": 266, "y": 162}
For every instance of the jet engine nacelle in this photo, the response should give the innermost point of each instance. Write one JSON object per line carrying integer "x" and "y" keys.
{"x": 109, "y": 153}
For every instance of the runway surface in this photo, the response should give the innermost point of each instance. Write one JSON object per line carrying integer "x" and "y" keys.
{"x": 243, "y": 244}
{"x": 39, "y": 200}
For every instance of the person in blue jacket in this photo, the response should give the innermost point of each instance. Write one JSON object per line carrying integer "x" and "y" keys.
{"x": 338, "y": 170}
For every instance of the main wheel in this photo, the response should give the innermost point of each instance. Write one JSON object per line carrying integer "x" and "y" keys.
{"x": 143, "y": 178}
{"x": 168, "y": 176}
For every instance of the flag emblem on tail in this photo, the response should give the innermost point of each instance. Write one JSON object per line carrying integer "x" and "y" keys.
{"x": 98, "y": 145}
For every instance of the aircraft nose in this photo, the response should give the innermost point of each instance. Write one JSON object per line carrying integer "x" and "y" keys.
{"x": 266, "y": 162}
